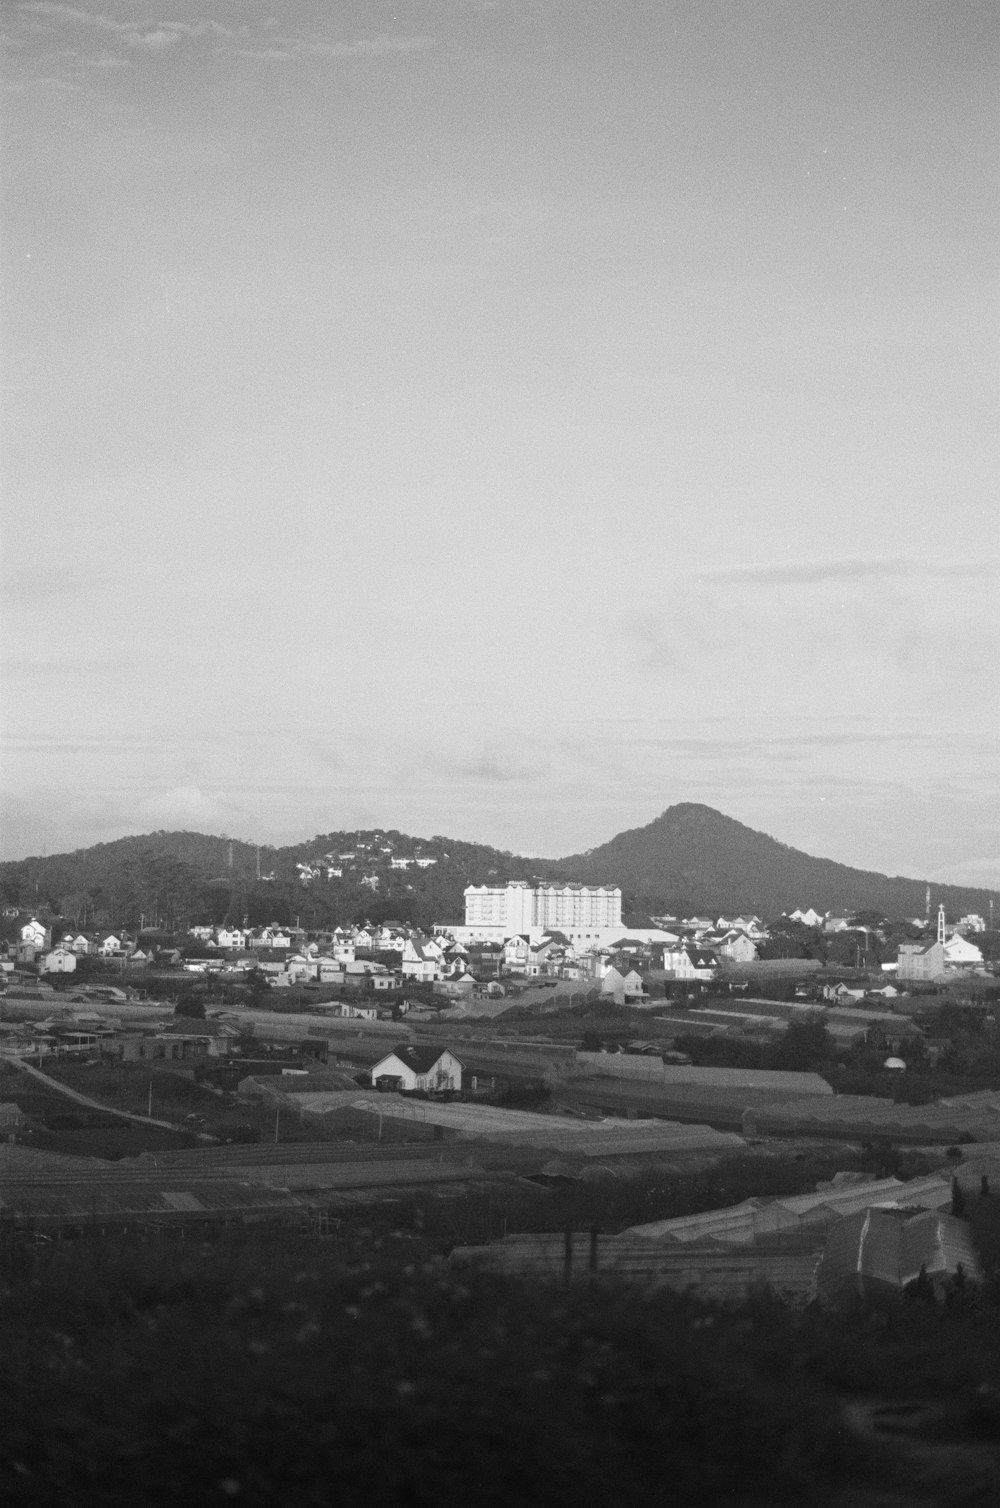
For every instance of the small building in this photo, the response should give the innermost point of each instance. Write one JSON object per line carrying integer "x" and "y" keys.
{"x": 421, "y": 960}
{"x": 959, "y": 953}
{"x": 34, "y": 934}
{"x": 412, "y": 1068}
{"x": 691, "y": 963}
{"x": 921, "y": 961}
{"x": 59, "y": 961}
{"x": 737, "y": 947}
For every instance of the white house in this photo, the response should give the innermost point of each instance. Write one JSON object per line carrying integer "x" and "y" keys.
{"x": 691, "y": 963}
{"x": 634, "y": 988}
{"x": 34, "y": 934}
{"x": 923, "y": 961}
{"x": 329, "y": 970}
{"x": 426, "y": 1068}
{"x": 516, "y": 951}
{"x": 230, "y": 937}
{"x": 613, "y": 984}
{"x": 959, "y": 953}
{"x": 301, "y": 968}
{"x": 420, "y": 961}
{"x": 808, "y": 918}
{"x": 751, "y": 925}
{"x": 737, "y": 947}
{"x": 59, "y": 961}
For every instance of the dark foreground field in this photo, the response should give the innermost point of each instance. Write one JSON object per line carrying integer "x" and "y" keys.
{"x": 278, "y": 1369}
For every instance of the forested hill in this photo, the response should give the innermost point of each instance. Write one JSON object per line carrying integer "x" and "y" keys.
{"x": 690, "y": 859}
{"x": 176, "y": 878}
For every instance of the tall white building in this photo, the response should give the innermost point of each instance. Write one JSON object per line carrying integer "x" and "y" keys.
{"x": 520, "y": 907}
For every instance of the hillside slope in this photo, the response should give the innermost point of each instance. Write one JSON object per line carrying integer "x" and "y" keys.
{"x": 693, "y": 858}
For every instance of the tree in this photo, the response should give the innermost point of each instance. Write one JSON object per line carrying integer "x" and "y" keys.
{"x": 806, "y": 1046}
{"x": 191, "y": 1005}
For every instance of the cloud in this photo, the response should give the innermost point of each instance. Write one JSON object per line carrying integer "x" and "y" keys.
{"x": 285, "y": 49}
{"x": 914, "y": 634}
{"x": 186, "y": 803}
{"x": 49, "y": 10}
{"x": 854, "y": 568}
{"x": 153, "y": 41}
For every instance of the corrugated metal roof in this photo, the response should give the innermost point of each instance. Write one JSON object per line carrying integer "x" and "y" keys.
{"x": 753, "y": 1218}
{"x": 875, "y": 1248}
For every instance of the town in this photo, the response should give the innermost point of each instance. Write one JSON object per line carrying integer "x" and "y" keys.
{"x": 553, "y": 1093}
{"x": 541, "y": 1001}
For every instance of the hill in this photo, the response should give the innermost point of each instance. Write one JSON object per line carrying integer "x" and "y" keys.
{"x": 691, "y": 858}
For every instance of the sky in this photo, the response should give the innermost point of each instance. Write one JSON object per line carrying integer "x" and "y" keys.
{"x": 503, "y": 420}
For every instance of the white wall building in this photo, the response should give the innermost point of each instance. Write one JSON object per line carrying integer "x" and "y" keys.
{"x": 520, "y": 907}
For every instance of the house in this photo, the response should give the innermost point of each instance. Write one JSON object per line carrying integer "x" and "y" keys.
{"x": 634, "y": 989}
{"x": 753, "y": 926}
{"x": 386, "y": 981}
{"x": 34, "y": 934}
{"x": 59, "y": 961}
{"x": 361, "y": 969}
{"x": 920, "y": 961}
{"x": 421, "y": 960}
{"x": 301, "y": 968}
{"x": 842, "y": 993}
{"x": 271, "y": 937}
{"x": 357, "y": 1012}
{"x": 412, "y": 1068}
{"x": 329, "y": 971}
{"x": 110, "y": 945}
{"x": 230, "y": 937}
{"x": 737, "y": 947}
{"x": 808, "y": 918}
{"x": 516, "y": 952}
{"x": 691, "y": 963}
{"x": 613, "y": 984}
{"x": 959, "y": 953}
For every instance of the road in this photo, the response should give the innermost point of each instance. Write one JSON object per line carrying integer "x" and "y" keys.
{"x": 83, "y": 1099}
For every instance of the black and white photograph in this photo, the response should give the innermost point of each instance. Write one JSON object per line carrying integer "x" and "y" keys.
{"x": 500, "y": 753}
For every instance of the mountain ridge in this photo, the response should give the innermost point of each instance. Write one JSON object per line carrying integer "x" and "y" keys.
{"x": 690, "y": 858}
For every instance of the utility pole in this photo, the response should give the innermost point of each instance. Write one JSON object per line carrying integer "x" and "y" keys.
{"x": 277, "y": 1113}
{"x": 149, "y": 1107}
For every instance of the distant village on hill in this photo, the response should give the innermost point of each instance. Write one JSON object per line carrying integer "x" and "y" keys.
{"x": 288, "y": 1032}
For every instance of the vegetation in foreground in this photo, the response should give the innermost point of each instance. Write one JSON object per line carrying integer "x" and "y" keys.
{"x": 263, "y": 1368}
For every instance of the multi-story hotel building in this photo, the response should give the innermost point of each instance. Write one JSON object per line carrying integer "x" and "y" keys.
{"x": 520, "y": 907}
